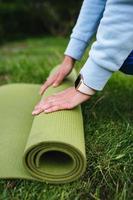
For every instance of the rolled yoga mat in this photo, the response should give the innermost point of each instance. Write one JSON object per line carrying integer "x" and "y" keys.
{"x": 47, "y": 147}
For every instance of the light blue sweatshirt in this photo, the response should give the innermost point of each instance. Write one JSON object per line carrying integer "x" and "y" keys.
{"x": 112, "y": 21}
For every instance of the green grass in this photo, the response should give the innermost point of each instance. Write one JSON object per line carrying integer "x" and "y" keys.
{"x": 108, "y": 125}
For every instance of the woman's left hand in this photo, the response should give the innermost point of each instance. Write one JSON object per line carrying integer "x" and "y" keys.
{"x": 66, "y": 99}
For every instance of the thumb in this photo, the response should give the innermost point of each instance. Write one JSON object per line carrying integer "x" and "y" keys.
{"x": 58, "y": 80}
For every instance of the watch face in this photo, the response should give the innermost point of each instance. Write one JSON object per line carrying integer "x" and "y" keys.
{"x": 77, "y": 80}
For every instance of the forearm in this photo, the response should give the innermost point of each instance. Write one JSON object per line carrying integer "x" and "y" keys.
{"x": 85, "y": 27}
{"x": 113, "y": 44}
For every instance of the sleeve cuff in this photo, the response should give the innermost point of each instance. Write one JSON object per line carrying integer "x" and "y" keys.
{"x": 75, "y": 48}
{"x": 95, "y": 76}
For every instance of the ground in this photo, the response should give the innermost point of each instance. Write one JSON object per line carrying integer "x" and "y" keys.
{"x": 108, "y": 125}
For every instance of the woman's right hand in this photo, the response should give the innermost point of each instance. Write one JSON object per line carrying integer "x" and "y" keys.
{"x": 57, "y": 78}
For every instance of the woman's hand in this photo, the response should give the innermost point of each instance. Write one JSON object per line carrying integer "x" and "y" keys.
{"x": 66, "y": 99}
{"x": 56, "y": 78}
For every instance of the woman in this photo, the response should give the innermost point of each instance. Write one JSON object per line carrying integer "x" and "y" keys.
{"x": 111, "y": 20}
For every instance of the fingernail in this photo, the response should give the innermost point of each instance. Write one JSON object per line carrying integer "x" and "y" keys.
{"x": 34, "y": 112}
{"x": 55, "y": 84}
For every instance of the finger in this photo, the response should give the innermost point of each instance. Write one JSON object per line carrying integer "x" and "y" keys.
{"x": 39, "y": 104}
{"x": 47, "y": 83}
{"x": 59, "y": 79}
{"x": 45, "y": 86}
{"x": 52, "y": 109}
{"x": 42, "y": 108}
{"x": 45, "y": 101}
{"x": 44, "y": 105}
{"x": 49, "y": 105}
{"x": 37, "y": 111}
{"x": 61, "y": 105}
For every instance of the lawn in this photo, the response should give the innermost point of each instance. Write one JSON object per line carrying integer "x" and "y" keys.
{"x": 108, "y": 125}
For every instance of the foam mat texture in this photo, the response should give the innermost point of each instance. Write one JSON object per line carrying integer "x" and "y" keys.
{"x": 47, "y": 147}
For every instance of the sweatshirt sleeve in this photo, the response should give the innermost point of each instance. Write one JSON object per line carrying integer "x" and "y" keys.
{"x": 114, "y": 42}
{"x": 88, "y": 20}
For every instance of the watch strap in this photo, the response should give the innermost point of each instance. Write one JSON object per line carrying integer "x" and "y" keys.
{"x": 82, "y": 87}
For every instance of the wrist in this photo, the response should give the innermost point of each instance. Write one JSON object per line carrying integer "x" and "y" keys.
{"x": 82, "y": 87}
{"x": 69, "y": 60}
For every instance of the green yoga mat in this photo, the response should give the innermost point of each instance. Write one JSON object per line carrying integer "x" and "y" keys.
{"x": 47, "y": 147}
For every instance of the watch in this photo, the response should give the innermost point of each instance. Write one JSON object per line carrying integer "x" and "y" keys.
{"x": 82, "y": 87}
